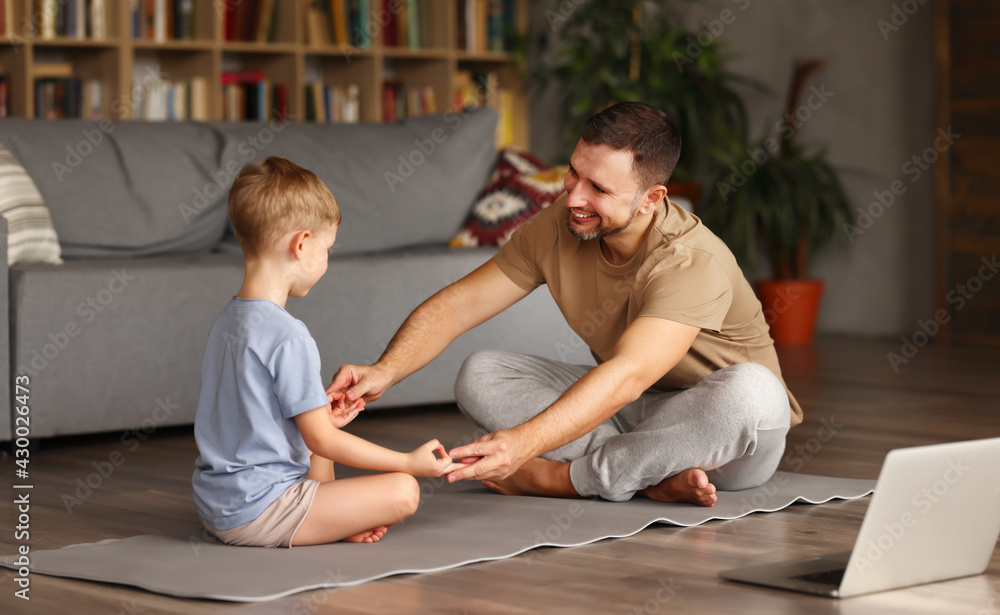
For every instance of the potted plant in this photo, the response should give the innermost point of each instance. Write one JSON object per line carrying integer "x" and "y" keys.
{"x": 777, "y": 198}
{"x": 612, "y": 51}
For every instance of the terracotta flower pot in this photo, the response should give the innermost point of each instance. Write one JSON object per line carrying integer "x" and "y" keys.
{"x": 791, "y": 308}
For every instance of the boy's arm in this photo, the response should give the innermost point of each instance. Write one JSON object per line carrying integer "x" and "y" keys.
{"x": 320, "y": 468}
{"x": 327, "y": 441}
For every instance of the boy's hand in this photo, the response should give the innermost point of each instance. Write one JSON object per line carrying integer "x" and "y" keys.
{"x": 423, "y": 462}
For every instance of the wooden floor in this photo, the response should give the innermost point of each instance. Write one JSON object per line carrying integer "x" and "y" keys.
{"x": 942, "y": 394}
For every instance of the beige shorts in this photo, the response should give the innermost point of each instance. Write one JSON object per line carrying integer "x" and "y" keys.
{"x": 276, "y": 526}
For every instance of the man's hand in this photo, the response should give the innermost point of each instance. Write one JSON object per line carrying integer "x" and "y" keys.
{"x": 494, "y": 456}
{"x": 342, "y": 414}
{"x": 357, "y": 383}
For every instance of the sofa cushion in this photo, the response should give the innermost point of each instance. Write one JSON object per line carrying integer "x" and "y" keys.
{"x": 520, "y": 187}
{"x": 30, "y": 236}
{"x": 124, "y": 188}
{"x": 398, "y": 185}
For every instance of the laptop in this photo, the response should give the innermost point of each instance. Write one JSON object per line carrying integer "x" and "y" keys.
{"x": 935, "y": 515}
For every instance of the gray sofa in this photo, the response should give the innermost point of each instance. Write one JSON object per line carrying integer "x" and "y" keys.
{"x": 112, "y": 339}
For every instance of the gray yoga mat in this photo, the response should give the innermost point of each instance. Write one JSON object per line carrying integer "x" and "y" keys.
{"x": 452, "y": 527}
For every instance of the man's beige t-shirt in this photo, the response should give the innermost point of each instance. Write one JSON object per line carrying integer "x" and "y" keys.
{"x": 682, "y": 273}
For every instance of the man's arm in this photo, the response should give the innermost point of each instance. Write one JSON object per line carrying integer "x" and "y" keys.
{"x": 649, "y": 348}
{"x": 452, "y": 311}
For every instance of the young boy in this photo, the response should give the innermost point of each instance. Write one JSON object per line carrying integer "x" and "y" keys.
{"x": 263, "y": 406}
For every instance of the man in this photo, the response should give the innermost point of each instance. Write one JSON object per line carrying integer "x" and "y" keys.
{"x": 687, "y": 395}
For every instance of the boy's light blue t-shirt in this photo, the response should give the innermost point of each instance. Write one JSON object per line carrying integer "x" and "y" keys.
{"x": 261, "y": 368}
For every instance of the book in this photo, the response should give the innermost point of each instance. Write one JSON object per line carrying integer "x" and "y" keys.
{"x": 414, "y": 21}
{"x": 159, "y": 20}
{"x": 469, "y": 11}
{"x": 402, "y": 24}
{"x": 364, "y": 23}
{"x": 4, "y": 96}
{"x": 496, "y": 26}
{"x": 318, "y": 103}
{"x": 482, "y": 15}
{"x": 389, "y": 102}
{"x": 183, "y": 11}
{"x": 52, "y": 70}
{"x": 149, "y": 25}
{"x": 281, "y": 102}
{"x": 199, "y": 99}
{"x": 339, "y": 18}
{"x": 45, "y": 17}
{"x": 67, "y": 25}
{"x": 266, "y": 21}
{"x": 317, "y": 31}
{"x": 352, "y": 104}
{"x": 504, "y": 100}
{"x": 92, "y": 99}
{"x": 97, "y": 27}
{"x": 388, "y": 19}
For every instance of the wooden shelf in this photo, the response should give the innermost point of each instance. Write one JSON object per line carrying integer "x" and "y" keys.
{"x": 193, "y": 45}
{"x": 76, "y": 42}
{"x": 122, "y": 64}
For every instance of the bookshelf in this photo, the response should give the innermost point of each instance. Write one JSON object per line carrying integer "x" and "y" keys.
{"x": 287, "y": 51}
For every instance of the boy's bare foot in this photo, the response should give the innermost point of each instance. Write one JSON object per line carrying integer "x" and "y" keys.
{"x": 688, "y": 486}
{"x": 537, "y": 477}
{"x": 372, "y": 535}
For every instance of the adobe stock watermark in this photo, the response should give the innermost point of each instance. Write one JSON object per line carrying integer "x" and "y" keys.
{"x": 553, "y": 532}
{"x": 378, "y": 21}
{"x": 130, "y": 440}
{"x": 665, "y": 592}
{"x": 563, "y": 12}
{"x": 695, "y": 45}
{"x": 759, "y": 497}
{"x": 802, "y": 453}
{"x": 424, "y": 149}
{"x": 611, "y": 308}
{"x": 914, "y": 169}
{"x": 312, "y": 602}
{"x": 958, "y": 297}
{"x": 40, "y": 357}
{"x": 77, "y": 152}
{"x": 249, "y": 150}
{"x": 923, "y": 501}
{"x": 993, "y": 606}
{"x": 786, "y": 128}
{"x": 31, "y": 23}
{"x": 899, "y": 14}
{"x": 130, "y": 608}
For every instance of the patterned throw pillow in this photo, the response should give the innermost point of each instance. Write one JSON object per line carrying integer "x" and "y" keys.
{"x": 520, "y": 187}
{"x": 31, "y": 237}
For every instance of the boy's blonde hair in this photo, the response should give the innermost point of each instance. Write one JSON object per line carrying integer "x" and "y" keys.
{"x": 274, "y": 197}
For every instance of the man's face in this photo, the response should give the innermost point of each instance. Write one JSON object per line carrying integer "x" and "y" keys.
{"x": 604, "y": 197}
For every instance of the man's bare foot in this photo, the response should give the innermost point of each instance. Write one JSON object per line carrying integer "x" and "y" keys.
{"x": 537, "y": 477}
{"x": 688, "y": 486}
{"x": 372, "y": 535}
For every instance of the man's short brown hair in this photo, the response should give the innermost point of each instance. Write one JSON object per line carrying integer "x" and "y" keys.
{"x": 276, "y": 196}
{"x": 642, "y": 129}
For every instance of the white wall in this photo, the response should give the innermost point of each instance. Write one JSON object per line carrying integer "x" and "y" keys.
{"x": 879, "y": 116}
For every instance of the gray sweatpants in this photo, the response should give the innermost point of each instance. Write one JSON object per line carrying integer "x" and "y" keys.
{"x": 732, "y": 423}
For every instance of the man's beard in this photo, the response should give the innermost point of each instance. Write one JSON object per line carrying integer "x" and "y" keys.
{"x": 601, "y": 232}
